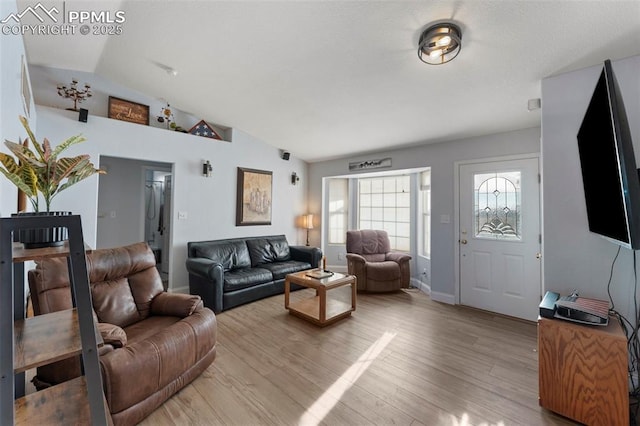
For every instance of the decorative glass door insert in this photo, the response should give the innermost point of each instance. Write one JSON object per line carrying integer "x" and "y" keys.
{"x": 497, "y": 206}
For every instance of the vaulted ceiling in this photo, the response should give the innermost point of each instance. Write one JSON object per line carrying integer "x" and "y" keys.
{"x": 325, "y": 79}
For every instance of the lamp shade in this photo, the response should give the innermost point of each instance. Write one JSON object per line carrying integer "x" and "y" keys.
{"x": 307, "y": 221}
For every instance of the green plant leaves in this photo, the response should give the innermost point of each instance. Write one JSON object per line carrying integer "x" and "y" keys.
{"x": 42, "y": 172}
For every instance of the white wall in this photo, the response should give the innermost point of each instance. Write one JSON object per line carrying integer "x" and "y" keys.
{"x": 120, "y": 213}
{"x": 575, "y": 258}
{"x": 209, "y": 202}
{"x": 11, "y": 52}
{"x": 440, "y": 157}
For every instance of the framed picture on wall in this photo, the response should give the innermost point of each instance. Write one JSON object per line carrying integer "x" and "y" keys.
{"x": 254, "y": 197}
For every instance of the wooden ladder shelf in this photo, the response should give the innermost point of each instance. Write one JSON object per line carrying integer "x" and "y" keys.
{"x": 27, "y": 343}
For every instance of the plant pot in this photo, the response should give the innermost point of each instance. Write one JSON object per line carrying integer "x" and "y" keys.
{"x": 42, "y": 237}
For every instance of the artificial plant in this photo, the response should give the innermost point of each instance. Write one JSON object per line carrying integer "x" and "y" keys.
{"x": 41, "y": 171}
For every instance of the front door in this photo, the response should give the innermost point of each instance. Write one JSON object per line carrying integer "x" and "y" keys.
{"x": 499, "y": 241}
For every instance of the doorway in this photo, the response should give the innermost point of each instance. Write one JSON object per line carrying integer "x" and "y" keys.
{"x": 134, "y": 204}
{"x": 499, "y": 236}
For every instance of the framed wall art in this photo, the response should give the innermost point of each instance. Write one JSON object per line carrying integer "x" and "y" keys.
{"x": 132, "y": 112}
{"x": 254, "y": 197}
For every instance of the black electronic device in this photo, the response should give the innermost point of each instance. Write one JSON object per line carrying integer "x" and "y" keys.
{"x": 84, "y": 115}
{"x": 610, "y": 176}
{"x": 548, "y": 304}
{"x": 574, "y": 308}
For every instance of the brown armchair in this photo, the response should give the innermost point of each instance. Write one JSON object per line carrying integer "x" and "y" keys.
{"x": 155, "y": 342}
{"x": 377, "y": 268}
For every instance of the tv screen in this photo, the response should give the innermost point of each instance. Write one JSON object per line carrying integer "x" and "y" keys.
{"x": 609, "y": 174}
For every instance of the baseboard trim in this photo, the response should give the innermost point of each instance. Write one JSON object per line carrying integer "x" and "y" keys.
{"x": 338, "y": 268}
{"x": 443, "y": 297}
{"x": 179, "y": 290}
{"x": 423, "y": 287}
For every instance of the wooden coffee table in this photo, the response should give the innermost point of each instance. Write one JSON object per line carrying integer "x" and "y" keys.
{"x": 320, "y": 310}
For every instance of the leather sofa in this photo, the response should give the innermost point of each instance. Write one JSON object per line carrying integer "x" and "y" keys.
{"x": 231, "y": 272}
{"x": 155, "y": 342}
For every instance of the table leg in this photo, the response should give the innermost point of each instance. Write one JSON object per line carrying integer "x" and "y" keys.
{"x": 287, "y": 287}
{"x": 354, "y": 292}
{"x": 322, "y": 314}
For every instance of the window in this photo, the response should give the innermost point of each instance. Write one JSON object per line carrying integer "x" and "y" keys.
{"x": 425, "y": 213}
{"x": 385, "y": 203}
{"x": 338, "y": 211}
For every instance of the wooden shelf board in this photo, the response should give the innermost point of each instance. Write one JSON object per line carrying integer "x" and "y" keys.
{"x": 20, "y": 254}
{"x": 44, "y": 339}
{"x": 65, "y": 403}
{"x": 310, "y": 308}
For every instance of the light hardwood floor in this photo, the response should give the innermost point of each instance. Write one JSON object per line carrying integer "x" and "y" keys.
{"x": 399, "y": 359}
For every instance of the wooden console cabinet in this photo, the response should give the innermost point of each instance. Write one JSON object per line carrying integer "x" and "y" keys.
{"x": 583, "y": 371}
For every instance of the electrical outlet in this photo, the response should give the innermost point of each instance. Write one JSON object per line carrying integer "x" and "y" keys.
{"x": 182, "y": 215}
{"x": 341, "y": 256}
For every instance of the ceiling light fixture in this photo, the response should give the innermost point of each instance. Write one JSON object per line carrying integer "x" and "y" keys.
{"x": 440, "y": 43}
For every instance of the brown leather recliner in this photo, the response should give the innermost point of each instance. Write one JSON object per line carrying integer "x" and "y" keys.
{"x": 377, "y": 268}
{"x": 155, "y": 342}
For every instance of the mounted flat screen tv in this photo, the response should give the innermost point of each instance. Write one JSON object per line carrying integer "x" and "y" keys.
{"x": 609, "y": 173}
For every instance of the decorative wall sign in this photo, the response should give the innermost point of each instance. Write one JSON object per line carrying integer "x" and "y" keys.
{"x": 370, "y": 164}
{"x": 253, "y": 200}
{"x": 132, "y": 112}
{"x": 202, "y": 128}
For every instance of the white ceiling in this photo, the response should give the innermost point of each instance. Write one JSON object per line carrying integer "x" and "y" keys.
{"x": 324, "y": 79}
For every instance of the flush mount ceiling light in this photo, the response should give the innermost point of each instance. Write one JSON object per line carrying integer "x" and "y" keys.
{"x": 440, "y": 43}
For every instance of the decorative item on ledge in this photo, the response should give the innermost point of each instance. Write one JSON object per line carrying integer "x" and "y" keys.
{"x": 166, "y": 116}
{"x": 370, "y": 164}
{"x": 132, "y": 112}
{"x": 202, "y": 128}
{"x": 72, "y": 92}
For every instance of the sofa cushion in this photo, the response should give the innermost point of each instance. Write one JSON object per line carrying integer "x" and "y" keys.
{"x": 113, "y": 302}
{"x": 231, "y": 254}
{"x": 281, "y": 269}
{"x": 260, "y": 251}
{"x": 280, "y": 248}
{"x": 383, "y": 271}
{"x": 245, "y": 277}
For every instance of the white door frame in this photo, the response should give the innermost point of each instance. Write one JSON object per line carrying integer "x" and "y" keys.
{"x": 456, "y": 211}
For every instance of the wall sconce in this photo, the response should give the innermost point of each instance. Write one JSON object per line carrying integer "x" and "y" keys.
{"x": 307, "y": 223}
{"x": 294, "y": 178}
{"x": 206, "y": 169}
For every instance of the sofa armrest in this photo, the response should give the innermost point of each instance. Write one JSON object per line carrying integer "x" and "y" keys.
{"x": 311, "y": 255}
{"x": 355, "y": 258}
{"x": 398, "y": 257}
{"x": 112, "y": 335}
{"x": 175, "y": 304}
{"x": 203, "y": 267}
{"x": 206, "y": 279}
